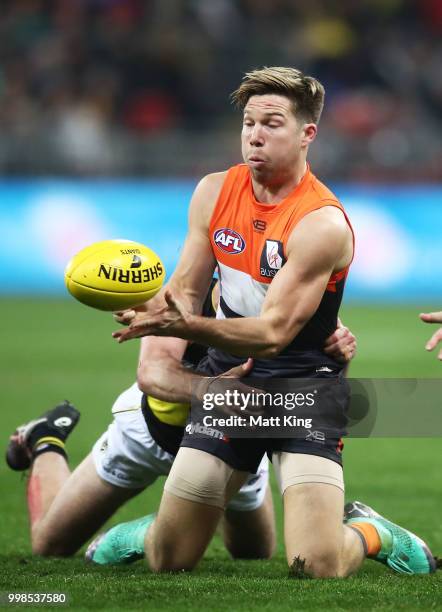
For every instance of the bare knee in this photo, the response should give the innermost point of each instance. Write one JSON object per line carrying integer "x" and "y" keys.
{"x": 162, "y": 565}
{"x": 323, "y": 563}
{"x": 46, "y": 548}
{"x": 163, "y": 558}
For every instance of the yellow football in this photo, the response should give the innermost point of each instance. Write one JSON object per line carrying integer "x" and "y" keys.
{"x": 114, "y": 275}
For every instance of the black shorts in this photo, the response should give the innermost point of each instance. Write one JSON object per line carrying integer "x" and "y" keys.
{"x": 245, "y": 454}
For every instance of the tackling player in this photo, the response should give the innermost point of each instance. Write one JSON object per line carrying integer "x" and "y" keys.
{"x": 66, "y": 509}
{"x": 283, "y": 245}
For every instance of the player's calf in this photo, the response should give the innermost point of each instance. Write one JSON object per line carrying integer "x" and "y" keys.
{"x": 40, "y": 443}
{"x": 251, "y": 533}
{"x": 82, "y": 505}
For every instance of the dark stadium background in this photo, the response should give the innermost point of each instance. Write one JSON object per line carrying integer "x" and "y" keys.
{"x": 110, "y": 111}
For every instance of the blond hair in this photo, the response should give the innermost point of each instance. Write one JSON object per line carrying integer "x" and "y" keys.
{"x": 305, "y": 92}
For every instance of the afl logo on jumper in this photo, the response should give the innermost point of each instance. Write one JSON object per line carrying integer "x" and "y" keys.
{"x": 272, "y": 258}
{"x": 229, "y": 241}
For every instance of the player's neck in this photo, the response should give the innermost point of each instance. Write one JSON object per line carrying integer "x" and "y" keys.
{"x": 273, "y": 192}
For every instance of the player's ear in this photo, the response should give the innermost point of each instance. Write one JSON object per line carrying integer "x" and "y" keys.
{"x": 309, "y": 131}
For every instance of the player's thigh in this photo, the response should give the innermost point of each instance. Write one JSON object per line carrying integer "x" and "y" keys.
{"x": 313, "y": 497}
{"x": 195, "y": 494}
{"x": 126, "y": 455}
{"x": 82, "y": 505}
{"x": 251, "y": 534}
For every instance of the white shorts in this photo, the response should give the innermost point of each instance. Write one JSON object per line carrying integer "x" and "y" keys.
{"x": 127, "y": 456}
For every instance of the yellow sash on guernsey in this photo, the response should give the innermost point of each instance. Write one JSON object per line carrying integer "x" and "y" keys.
{"x": 169, "y": 412}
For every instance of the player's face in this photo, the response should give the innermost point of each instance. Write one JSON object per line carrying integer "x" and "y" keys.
{"x": 272, "y": 138}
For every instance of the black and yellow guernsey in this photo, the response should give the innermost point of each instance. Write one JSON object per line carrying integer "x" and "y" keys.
{"x": 166, "y": 420}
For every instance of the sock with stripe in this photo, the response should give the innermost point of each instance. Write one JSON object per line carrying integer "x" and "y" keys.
{"x": 46, "y": 439}
{"x": 369, "y": 536}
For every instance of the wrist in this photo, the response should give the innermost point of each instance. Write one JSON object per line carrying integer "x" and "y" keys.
{"x": 201, "y": 386}
{"x": 190, "y": 327}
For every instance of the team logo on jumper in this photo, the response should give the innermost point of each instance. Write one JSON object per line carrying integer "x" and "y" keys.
{"x": 229, "y": 241}
{"x": 272, "y": 258}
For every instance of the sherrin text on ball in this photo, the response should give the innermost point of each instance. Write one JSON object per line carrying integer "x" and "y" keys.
{"x": 114, "y": 275}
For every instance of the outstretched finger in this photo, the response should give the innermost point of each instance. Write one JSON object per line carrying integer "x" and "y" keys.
{"x": 121, "y": 336}
{"x": 431, "y": 317}
{"x": 127, "y": 334}
{"x": 434, "y": 340}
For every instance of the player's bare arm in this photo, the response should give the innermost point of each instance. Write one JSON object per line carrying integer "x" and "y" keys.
{"x": 194, "y": 271}
{"x": 160, "y": 372}
{"x": 433, "y": 317}
{"x": 340, "y": 345}
{"x": 320, "y": 245}
{"x": 197, "y": 263}
{"x": 162, "y": 375}
{"x": 192, "y": 276}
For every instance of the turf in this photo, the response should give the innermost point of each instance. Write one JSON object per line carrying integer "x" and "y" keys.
{"x": 52, "y": 350}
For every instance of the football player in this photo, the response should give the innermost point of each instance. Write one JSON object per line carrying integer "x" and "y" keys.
{"x": 284, "y": 245}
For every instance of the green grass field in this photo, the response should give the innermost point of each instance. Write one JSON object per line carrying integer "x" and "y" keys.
{"x": 51, "y": 350}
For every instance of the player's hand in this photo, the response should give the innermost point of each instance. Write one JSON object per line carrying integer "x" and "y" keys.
{"x": 239, "y": 371}
{"x": 341, "y": 345}
{"x": 210, "y": 386}
{"x": 170, "y": 320}
{"x": 126, "y": 317}
{"x": 203, "y": 382}
{"x": 433, "y": 317}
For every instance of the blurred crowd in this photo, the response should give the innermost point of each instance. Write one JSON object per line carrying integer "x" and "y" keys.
{"x": 133, "y": 87}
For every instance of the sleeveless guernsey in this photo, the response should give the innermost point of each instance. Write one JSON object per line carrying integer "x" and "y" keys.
{"x": 249, "y": 241}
